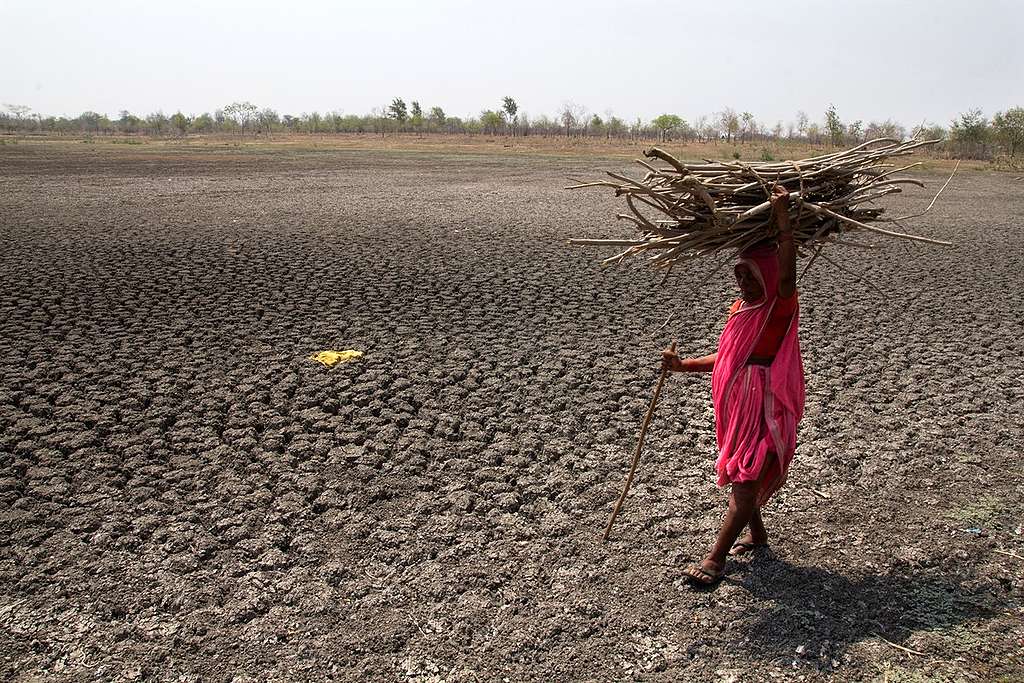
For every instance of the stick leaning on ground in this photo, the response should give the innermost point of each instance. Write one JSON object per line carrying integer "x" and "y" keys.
{"x": 639, "y": 448}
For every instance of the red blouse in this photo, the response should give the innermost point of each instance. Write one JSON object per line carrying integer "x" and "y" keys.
{"x": 776, "y": 327}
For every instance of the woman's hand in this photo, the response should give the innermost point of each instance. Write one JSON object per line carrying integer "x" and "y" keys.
{"x": 670, "y": 361}
{"x": 780, "y": 208}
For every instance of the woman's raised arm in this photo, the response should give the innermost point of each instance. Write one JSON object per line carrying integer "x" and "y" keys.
{"x": 787, "y": 250}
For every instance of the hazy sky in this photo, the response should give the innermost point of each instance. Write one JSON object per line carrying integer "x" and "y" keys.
{"x": 912, "y": 60}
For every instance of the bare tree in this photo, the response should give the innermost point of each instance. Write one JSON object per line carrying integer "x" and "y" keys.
{"x": 813, "y": 133}
{"x": 856, "y": 131}
{"x": 885, "y": 129}
{"x": 729, "y": 123}
{"x": 18, "y": 114}
{"x": 572, "y": 115}
{"x": 749, "y": 125}
{"x": 269, "y": 119}
{"x": 380, "y": 120}
{"x": 242, "y": 113}
{"x": 801, "y": 123}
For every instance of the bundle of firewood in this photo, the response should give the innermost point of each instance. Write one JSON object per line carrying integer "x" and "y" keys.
{"x": 685, "y": 211}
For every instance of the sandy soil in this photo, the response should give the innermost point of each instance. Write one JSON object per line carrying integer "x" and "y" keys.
{"x": 183, "y": 495}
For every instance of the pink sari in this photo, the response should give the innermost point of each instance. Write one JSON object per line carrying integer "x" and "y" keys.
{"x": 757, "y": 408}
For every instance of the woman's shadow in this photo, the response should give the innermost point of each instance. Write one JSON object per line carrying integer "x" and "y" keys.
{"x": 818, "y": 613}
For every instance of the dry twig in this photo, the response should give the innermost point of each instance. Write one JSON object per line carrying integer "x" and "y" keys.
{"x": 899, "y": 647}
{"x": 1008, "y": 553}
{"x": 686, "y": 211}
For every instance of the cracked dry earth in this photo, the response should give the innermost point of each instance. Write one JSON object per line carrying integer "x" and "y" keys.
{"x": 184, "y": 496}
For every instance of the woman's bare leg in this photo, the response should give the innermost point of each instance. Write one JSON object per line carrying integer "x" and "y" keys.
{"x": 743, "y": 511}
{"x": 758, "y": 534}
{"x": 742, "y": 503}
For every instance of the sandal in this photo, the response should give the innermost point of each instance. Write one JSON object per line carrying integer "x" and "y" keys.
{"x": 697, "y": 574}
{"x": 744, "y": 547}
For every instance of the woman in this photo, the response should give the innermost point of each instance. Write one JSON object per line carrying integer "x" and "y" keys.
{"x": 757, "y": 385}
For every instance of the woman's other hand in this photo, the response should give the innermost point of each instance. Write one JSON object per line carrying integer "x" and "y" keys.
{"x": 670, "y": 361}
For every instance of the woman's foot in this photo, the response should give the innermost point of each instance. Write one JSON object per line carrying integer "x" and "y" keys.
{"x": 706, "y": 573}
{"x": 749, "y": 543}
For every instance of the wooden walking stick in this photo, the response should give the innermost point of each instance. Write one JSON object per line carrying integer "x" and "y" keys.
{"x": 639, "y": 447}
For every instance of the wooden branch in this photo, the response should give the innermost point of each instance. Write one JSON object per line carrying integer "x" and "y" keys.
{"x": 714, "y": 207}
{"x": 899, "y": 647}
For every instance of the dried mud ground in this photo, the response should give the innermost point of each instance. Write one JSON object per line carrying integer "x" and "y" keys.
{"x": 184, "y": 495}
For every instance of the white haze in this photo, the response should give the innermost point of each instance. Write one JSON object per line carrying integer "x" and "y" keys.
{"x": 912, "y": 61}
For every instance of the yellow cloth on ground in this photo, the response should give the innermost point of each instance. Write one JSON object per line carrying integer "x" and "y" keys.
{"x": 332, "y": 358}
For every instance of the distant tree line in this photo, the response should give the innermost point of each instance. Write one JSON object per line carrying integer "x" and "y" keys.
{"x": 970, "y": 135}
